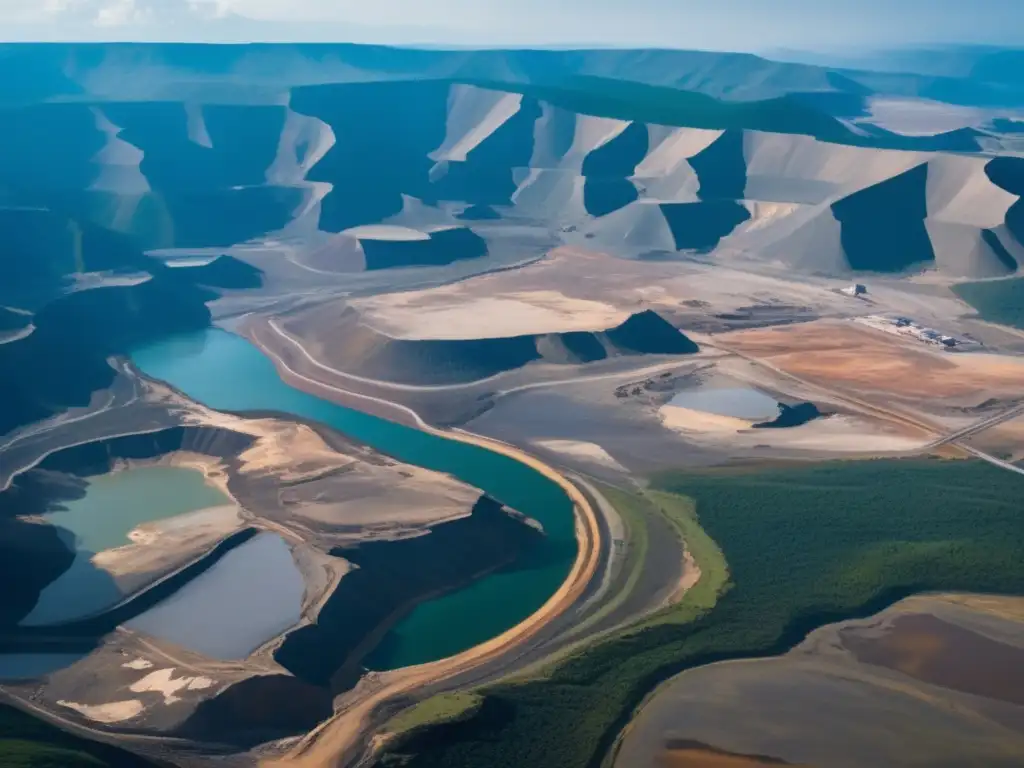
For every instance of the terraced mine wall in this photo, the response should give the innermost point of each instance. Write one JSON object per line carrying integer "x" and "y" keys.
{"x": 156, "y": 171}
{"x": 98, "y": 457}
{"x": 1008, "y": 173}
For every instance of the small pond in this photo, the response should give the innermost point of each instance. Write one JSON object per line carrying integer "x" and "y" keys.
{"x": 251, "y": 595}
{"x": 114, "y": 504}
{"x": 737, "y": 402}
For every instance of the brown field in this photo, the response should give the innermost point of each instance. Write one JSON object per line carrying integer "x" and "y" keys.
{"x": 934, "y": 651}
{"x": 934, "y": 680}
{"x": 864, "y": 359}
{"x": 693, "y": 754}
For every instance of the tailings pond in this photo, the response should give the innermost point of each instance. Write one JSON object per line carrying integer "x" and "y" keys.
{"x": 226, "y": 372}
{"x": 114, "y": 504}
{"x": 253, "y": 594}
{"x": 737, "y": 402}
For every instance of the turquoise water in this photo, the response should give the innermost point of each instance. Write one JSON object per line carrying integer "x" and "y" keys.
{"x": 738, "y": 402}
{"x": 226, "y": 372}
{"x": 251, "y": 595}
{"x": 113, "y": 505}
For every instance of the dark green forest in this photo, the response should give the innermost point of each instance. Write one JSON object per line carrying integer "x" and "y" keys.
{"x": 26, "y": 742}
{"x": 805, "y": 546}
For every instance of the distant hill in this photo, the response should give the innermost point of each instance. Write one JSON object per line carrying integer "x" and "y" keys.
{"x": 260, "y": 72}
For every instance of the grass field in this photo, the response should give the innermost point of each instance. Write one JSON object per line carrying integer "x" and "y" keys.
{"x": 804, "y": 546}
{"x": 443, "y": 708}
{"x": 997, "y": 301}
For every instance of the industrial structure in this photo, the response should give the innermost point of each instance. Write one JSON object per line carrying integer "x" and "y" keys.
{"x": 905, "y": 326}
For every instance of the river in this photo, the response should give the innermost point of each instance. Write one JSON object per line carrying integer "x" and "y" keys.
{"x": 226, "y": 372}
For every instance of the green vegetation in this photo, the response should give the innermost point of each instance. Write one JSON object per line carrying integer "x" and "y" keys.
{"x": 26, "y": 742}
{"x": 443, "y": 708}
{"x": 714, "y": 571}
{"x": 997, "y": 301}
{"x": 28, "y": 754}
{"x": 805, "y": 546}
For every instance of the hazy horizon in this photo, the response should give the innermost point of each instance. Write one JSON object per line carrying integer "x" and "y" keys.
{"x": 745, "y": 25}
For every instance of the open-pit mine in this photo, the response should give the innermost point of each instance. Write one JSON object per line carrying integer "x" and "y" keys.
{"x": 368, "y": 406}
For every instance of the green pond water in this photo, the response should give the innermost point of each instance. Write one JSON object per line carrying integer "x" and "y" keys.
{"x": 226, "y": 372}
{"x": 114, "y": 504}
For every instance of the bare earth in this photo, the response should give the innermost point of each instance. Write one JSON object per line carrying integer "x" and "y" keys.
{"x": 864, "y": 360}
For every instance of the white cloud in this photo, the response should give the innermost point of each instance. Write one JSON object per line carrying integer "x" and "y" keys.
{"x": 121, "y": 13}
{"x": 55, "y": 7}
{"x": 210, "y": 9}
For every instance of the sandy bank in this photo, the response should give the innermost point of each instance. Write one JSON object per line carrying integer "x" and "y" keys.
{"x": 161, "y": 544}
{"x": 330, "y": 480}
{"x": 581, "y": 450}
{"x": 839, "y": 433}
{"x": 686, "y": 420}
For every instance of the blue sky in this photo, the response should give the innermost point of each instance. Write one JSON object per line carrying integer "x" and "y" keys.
{"x": 707, "y": 24}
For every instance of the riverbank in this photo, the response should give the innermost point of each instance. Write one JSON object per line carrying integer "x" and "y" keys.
{"x": 341, "y": 738}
